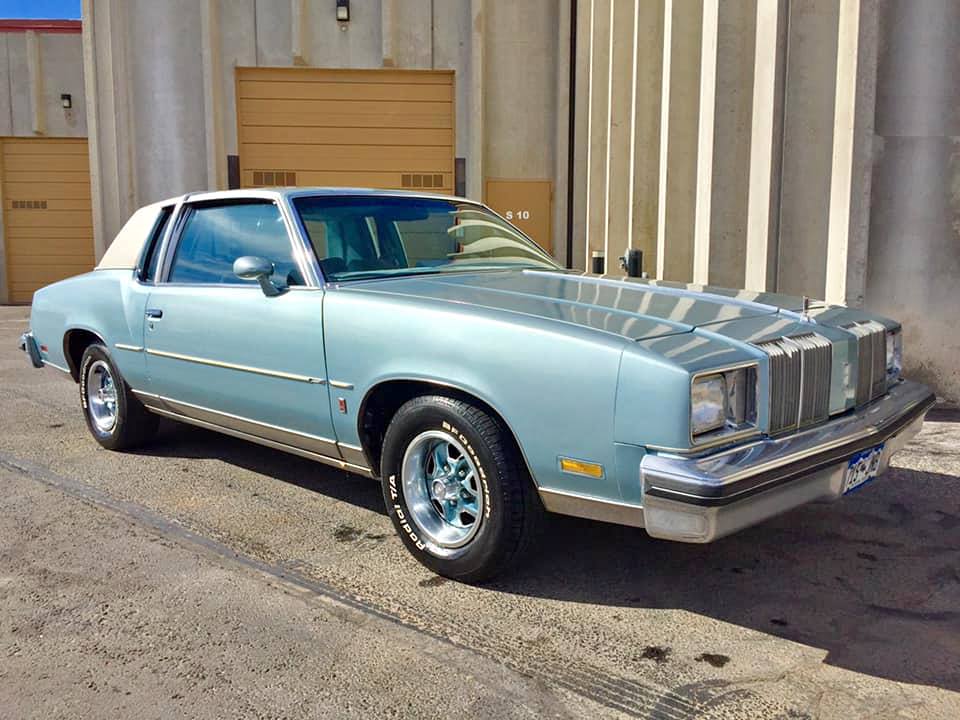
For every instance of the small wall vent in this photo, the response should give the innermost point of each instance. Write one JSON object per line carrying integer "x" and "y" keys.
{"x": 419, "y": 180}
{"x": 29, "y": 204}
{"x": 267, "y": 178}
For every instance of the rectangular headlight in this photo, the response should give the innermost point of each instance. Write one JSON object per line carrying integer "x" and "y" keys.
{"x": 723, "y": 402}
{"x": 894, "y": 355}
{"x": 708, "y": 407}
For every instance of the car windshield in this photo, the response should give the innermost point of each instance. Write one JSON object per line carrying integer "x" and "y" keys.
{"x": 361, "y": 237}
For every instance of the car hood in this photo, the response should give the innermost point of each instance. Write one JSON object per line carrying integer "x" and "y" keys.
{"x": 630, "y": 307}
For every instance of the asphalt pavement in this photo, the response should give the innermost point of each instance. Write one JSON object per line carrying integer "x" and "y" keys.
{"x": 207, "y": 577}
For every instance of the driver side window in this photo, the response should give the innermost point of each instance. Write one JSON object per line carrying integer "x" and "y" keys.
{"x": 214, "y": 236}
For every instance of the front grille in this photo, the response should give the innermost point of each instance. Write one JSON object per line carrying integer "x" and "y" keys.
{"x": 871, "y": 359}
{"x": 799, "y": 380}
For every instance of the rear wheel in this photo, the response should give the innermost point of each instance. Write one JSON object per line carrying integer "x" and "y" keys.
{"x": 457, "y": 489}
{"x": 115, "y": 417}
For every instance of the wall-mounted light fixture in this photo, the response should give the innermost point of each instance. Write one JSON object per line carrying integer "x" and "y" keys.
{"x": 343, "y": 10}
{"x": 66, "y": 100}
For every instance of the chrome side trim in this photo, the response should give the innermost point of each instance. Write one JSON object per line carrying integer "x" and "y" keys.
{"x": 325, "y": 459}
{"x": 353, "y": 453}
{"x": 591, "y": 508}
{"x": 240, "y": 368}
{"x": 131, "y": 348}
{"x": 150, "y": 400}
{"x": 56, "y": 367}
{"x": 285, "y": 436}
{"x": 341, "y": 384}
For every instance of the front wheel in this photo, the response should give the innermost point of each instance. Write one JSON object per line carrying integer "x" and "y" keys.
{"x": 115, "y": 418}
{"x": 457, "y": 489}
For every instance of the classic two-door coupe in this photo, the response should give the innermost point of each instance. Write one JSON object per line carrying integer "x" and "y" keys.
{"x": 425, "y": 341}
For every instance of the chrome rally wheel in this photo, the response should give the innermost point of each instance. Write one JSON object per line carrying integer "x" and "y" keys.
{"x": 116, "y": 419}
{"x": 457, "y": 489}
{"x": 101, "y": 396}
{"x": 441, "y": 486}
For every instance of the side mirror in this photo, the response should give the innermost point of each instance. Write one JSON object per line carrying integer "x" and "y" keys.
{"x": 250, "y": 267}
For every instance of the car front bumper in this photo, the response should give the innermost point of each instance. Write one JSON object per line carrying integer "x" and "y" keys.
{"x": 700, "y": 499}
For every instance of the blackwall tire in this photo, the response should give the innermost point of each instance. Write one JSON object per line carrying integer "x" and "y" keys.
{"x": 115, "y": 417}
{"x": 444, "y": 462}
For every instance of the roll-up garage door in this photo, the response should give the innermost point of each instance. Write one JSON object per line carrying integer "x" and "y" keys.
{"x": 355, "y": 128}
{"x": 47, "y": 219}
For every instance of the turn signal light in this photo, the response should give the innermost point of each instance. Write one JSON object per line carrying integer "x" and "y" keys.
{"x": 581, "y": 467}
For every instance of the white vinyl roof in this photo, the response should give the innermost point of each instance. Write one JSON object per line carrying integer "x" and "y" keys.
{"x": 124, "y": 251}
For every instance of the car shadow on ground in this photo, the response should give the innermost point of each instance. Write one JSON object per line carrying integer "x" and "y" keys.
{"x": 872, "y": 580}
{"x": 186, "y": 441}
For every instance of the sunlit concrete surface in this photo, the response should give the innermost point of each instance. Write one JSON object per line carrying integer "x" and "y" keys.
{"x": 214, "y": 578}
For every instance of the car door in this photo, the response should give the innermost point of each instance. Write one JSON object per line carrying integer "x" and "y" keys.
{"x": 219, "y": 350}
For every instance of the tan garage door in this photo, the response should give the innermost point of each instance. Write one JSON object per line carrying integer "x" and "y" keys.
{"x": 47, "y": 220}
{"x": 356, "y": 128}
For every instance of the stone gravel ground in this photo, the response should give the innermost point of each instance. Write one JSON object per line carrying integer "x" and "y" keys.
{"x": 207, "y": 577}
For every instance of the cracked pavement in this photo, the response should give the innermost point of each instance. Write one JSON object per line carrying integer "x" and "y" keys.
{"x": 204, "y": 576}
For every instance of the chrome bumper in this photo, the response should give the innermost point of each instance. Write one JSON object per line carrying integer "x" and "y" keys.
{"x": 29, "y": 345}
{"x": 700, "y": 499}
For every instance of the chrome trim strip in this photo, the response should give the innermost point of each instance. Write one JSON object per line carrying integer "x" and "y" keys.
{"x": 283, "y": 435}
{"x": 240, "y": 368}
{"x": 131, "y": 348}
{"x": 584, "y": 506}
{"x": 341, "y": 384}
{"x": 353, "y": 453}
{"x": 56, "y": 367}
{"x": 325, "y": 459}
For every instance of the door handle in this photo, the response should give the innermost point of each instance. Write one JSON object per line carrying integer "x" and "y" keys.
{"x": 154, "y": 314}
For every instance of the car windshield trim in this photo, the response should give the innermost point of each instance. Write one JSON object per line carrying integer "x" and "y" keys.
{"x": 363, "y": 237}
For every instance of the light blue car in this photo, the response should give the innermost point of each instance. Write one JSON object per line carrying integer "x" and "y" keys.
{"x": 425, "y": 341}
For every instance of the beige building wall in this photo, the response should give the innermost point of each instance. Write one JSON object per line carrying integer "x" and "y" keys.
{"x": 36, "y": 68}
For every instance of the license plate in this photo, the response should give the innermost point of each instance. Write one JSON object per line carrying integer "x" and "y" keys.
{"x": 862, "y": 468}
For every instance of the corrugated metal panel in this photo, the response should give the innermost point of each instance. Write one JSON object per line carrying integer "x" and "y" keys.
{"x": 366, "y": 128}
{"x": 47, "y": 218}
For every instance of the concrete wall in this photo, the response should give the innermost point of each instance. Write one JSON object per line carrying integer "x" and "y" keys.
{"x": 35, "y": 69}
{"x": 807, "y": 146}
{"x": 914, "y": 259}
{"x": 165, "y": 110}
{"x": 32, "y": 80}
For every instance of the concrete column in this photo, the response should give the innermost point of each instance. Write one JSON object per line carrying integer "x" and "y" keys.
{"x": 914, "y": 258}
{"x": 732, "y": 121}
{"x": 38, "y": 114}
{"x": 561, "y": 132}
{"x": 213, "y": 119}
{"x": 709, "y": 33}
{"x": 852, "y": 153}
{"x": 581, "y": 144}
{"x": 617, "y": 186}
{"x": 598, "y": 126}
{"x": 682, "y": 137}
{"x": 475, "y": 164}
{"x": 407, "y": 33}
{"x": 808, "y": 146}
{"x": 766, "y": 142}
{"x": 300, "y": 32}
{"x": 645, "y": 135}
{"x": 109, "y": 118}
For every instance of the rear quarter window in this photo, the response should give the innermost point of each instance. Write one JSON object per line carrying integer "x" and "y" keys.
{"x": 151, "y": 256}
